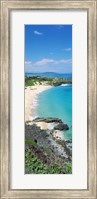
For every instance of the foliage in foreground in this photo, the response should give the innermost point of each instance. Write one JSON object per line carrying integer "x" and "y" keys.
{"x": 35, "y": 166}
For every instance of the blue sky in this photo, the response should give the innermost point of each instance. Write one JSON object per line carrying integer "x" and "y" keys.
{"x": 48, "y": 48}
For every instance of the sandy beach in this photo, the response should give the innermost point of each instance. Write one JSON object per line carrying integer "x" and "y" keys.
{"x": 31, "y": 97}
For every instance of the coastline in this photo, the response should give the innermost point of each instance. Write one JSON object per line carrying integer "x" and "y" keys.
{"x": 31, "y": 97}
{"x": 45, "y": 145}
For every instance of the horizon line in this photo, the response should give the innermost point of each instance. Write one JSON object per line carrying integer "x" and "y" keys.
{"x": 50, "y": 72}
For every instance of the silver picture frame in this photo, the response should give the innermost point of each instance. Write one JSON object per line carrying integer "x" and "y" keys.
{"x": 6, "y": 7}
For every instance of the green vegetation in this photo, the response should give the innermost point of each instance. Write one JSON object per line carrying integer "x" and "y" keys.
{"x": 47, "y": 150}
{"x": 36, "y": 166}
{"x": 68, "y": 168}
{"x": 31, "y": 81}
{"x": 31, "y": 142}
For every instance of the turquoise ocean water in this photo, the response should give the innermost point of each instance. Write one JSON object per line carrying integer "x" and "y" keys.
{"x": 57, "y": 102}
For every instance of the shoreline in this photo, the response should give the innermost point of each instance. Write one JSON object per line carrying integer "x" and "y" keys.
{"x": 31, "y": 103}
{"x": 45, "y": 144}
{"x": 31, "y": 99}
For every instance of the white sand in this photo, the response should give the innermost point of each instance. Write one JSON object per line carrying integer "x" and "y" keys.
{"x": 31, "y": 100}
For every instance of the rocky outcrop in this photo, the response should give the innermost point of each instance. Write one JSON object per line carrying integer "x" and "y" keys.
{"x": 45, "y": 144}
{"x": 58, "y": 124}
{"x": 61, "y": 127}
{"x": 60, "y": 83}
{"x": 48, "y": 120}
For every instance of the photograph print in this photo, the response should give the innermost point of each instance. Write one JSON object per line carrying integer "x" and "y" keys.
{"x": 48, "y": 99}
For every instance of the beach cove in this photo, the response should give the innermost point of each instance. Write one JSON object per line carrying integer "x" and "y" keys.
{"x": 48, "y": 101}
{"x": 48, "y": 124}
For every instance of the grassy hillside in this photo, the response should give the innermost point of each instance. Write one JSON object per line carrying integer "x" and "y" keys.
{"x": 31, "y": 81}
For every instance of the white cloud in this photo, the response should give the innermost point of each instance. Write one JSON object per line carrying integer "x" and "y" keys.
{"x": 38, "y": 33}
{"x": 67, "y": 49}
{"x": 53, "y": 61}
{"x": 46, "y": 61}
{"x": 65, "y": 61}
{"x": 48, "y": 65}
{"x": 28, "y": 62}
{"x": 28, "y": 66}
